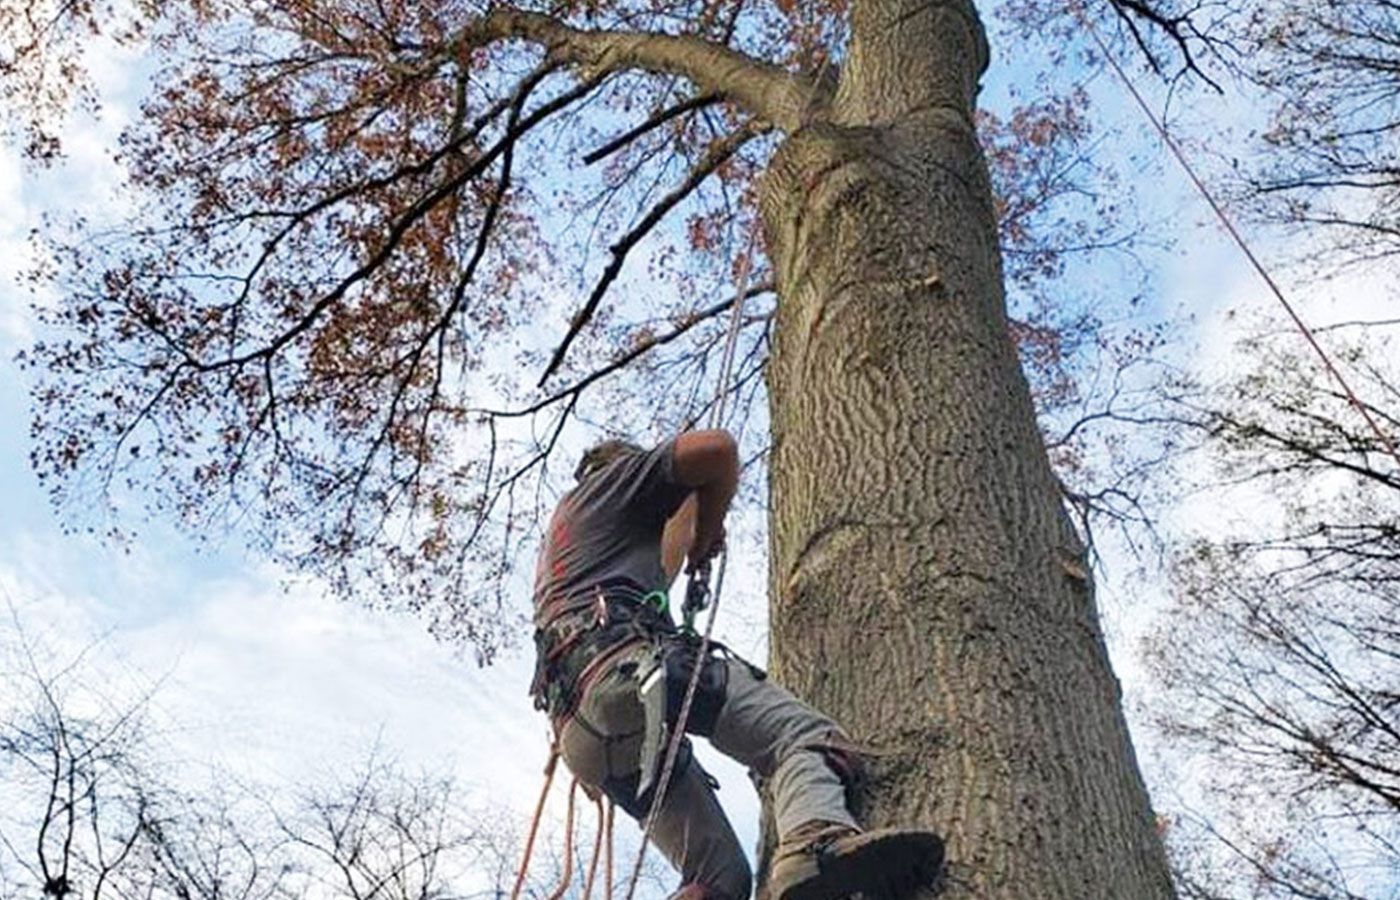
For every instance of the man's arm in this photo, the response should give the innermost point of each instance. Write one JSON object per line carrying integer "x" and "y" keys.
{"x": 707, "y": 461}
{"x": 677, "y": 538}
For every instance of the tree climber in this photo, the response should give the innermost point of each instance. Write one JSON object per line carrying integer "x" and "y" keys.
{"x": 613, "y": 668}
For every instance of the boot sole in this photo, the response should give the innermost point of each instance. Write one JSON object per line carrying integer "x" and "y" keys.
{"x": 879, "y": 863}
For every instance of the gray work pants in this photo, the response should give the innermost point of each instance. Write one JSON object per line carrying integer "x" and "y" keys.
{"x": 759, "y": 724}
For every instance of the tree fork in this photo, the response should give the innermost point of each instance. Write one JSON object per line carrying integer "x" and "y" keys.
{"x": 915, "y": 519}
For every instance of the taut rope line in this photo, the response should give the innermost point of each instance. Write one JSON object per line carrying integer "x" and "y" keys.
{"x": 1386, "y": 441}
{"x": 700, "y": 575}
{"x": 549, "y": 768}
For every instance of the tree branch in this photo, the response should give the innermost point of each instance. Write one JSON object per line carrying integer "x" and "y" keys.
{"x": 1179, "y": 29}
{"x": 656, "y": 121}
{"x": 626, "y": 359}
{"x": 764, "y": 90}
{"x": 715, "y": 156}
{"x": 396, "y": 231}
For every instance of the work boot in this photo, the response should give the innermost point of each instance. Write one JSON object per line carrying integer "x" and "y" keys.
{"x": 827, "y": 861}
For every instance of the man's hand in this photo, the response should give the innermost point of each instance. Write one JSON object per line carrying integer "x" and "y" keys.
{"x": 701, "y": 553}
{"x": 709, "y": 462}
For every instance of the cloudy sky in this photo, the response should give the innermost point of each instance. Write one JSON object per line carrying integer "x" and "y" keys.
{"x": 278, "y": 681}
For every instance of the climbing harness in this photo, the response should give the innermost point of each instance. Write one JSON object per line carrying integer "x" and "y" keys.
{"x": 579, "y": 644}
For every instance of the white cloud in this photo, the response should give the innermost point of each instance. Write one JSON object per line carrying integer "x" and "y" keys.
{"x": 86, "y": 182}
{"x": 284, "y": 688}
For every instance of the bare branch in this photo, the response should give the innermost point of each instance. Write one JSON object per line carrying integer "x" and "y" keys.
{"x": 656, "y": 121}
{"x": 715, "y": 156}
{"x": 640, "y": 349}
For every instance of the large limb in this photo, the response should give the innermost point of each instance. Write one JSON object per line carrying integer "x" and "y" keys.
{"x": 762, "y": 89}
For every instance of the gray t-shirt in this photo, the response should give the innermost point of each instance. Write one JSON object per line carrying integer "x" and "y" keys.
{"x": 608, "y": 528}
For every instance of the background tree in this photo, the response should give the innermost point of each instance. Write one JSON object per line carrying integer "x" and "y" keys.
{"x": 380, "y": 834}
{"x": 76, "y": 789}
{"x": 93, "y": 806}
{"x": 341, "y": 222}
{"x": 1281, "y": 650}
{"x": 1325, "y": 165}
{"x": 210, "y": 844}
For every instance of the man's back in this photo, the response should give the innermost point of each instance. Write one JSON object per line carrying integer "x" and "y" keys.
{"x": 607, "y": 531}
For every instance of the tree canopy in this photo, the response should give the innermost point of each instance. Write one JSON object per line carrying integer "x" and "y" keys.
{"x": 309, "y": 323}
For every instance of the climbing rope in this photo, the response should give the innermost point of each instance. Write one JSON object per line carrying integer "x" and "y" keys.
{"x": 568, "y": 874}
{"x": 698, "y": 594}
{"x": 1386, "y": 441}
{"x": 597, "y": 851}
{"x": 608, "y": 854}
{"x": 549, "y": 768}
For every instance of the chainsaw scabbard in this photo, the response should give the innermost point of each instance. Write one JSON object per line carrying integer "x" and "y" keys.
{"x": 656, "y": 731}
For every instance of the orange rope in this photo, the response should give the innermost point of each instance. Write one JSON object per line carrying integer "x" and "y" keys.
{"x": 597, "y": 851}
{"x": 568, "y": 875}
{"x": 1386, "y": 441}
{"x": 608, "y": 869}
{"x": 549, "y": 768}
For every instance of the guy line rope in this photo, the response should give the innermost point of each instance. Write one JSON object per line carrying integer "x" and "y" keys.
{"x": 1386, "y": 441}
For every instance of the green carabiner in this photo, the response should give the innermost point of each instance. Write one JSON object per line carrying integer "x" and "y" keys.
{"x": 658, "y": 599}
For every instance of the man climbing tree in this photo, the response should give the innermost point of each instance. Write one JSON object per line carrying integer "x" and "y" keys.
{"x": 614, "y": 670}
{"x": 344, "y": 209}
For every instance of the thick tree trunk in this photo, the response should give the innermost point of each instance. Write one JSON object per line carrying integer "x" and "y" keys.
{"x": 927, "y": 587}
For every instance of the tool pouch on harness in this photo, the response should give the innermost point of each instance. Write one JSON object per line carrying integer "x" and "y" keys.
{"x": 568, "y": 647}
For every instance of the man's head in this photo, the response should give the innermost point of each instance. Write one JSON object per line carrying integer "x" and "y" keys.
{"x": 600, "y": 455}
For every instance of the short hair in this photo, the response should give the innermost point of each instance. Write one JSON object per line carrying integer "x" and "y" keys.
{"x": 599, "y": 455}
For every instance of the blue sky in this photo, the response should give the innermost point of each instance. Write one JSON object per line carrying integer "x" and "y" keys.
{"x": 279, "y": 681}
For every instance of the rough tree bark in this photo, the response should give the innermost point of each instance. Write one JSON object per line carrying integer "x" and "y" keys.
{"x": 926, "y": 587}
